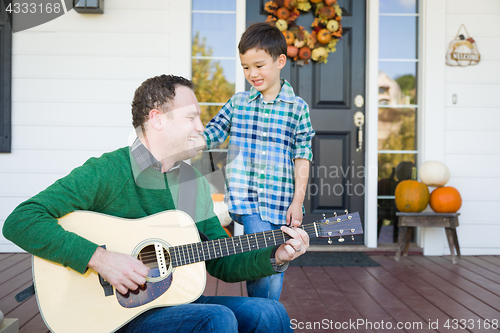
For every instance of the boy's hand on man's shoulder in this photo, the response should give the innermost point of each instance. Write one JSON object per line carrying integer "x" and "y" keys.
{"x": 200, "y": 142}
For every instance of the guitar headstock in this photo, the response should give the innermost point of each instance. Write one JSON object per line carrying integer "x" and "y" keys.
{"x": 340, "y": 226}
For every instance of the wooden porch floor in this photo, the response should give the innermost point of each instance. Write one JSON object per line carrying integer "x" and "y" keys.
{"x": 423, "y": 294}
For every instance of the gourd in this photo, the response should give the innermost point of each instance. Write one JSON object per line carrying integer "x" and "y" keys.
{"x": 434, "y": 173}
{"x": 289, "y": 36}
{"x": 411, "y": 196}
{"x": 445, "y": 199}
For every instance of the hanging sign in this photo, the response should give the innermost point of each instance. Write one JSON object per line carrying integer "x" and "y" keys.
{"x": 462, "y": 51}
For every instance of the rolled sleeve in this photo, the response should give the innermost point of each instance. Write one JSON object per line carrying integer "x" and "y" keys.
{"x": 303, "y": 137}
{"x": 217, "y": 129}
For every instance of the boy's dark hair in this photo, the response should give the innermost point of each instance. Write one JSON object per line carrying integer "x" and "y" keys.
{"x": 265, "y": 37}
{"x": 155, "y": 93}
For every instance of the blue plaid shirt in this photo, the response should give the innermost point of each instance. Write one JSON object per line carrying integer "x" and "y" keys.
{"x": 264, "y": 139}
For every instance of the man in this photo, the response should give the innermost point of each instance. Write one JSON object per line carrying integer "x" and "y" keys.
{"x": 142, "y": 180}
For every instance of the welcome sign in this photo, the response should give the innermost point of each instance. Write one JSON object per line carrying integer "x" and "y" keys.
{"x": 462, "y": 51}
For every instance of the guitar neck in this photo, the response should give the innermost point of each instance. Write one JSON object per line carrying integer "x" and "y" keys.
{"x": 196, "y": 252}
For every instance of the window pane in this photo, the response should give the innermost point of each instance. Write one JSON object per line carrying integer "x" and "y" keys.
{"x": 213, "y": 79}
{"x": 397, "y": 83}
{"x": 397, "y": 6}
{"x": 224, "y": 5}
{"x": 393, "y": 168}
{"x": 398, "y": 37}
{"x": 396, "y": 129}
{"x": 216, "y": 33}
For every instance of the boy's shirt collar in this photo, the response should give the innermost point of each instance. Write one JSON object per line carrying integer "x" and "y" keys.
{"x": 286, "y": 93}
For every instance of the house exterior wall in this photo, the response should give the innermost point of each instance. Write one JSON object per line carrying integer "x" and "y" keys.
{"x": 73, "y": 81}
{"x": 464, "y": 135}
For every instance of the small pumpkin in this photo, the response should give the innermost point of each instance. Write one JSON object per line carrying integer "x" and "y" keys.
{"x": 324, "y": 36}
{"x": 326, "y": 12}
{"x": 292, "y": 51}
{"x": 333, "y": 25}
{"x": 281, "y": 24}
{"x": 434, "y": 173}
{"x": 445, "y": 199}
{"x": 411, "y": 196}
{"x": 282, "y": 13}
{"x": 305, "y": 53}
{"x": 330, "y": 2}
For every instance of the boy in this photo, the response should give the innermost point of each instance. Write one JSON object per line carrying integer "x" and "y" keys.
{"x": 269, "y": 127}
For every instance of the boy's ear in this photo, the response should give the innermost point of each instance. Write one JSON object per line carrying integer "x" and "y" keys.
{"x": 281, "y": 61}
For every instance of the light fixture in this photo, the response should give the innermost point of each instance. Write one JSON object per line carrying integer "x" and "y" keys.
{"x": 89, "y": 6}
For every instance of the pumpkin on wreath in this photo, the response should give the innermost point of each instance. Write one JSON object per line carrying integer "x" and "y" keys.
{"x": 302, "y": 44}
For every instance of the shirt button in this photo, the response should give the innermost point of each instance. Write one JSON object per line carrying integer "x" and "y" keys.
{"x": 261, "y": 190}
{"x": 264, "y": 133}
{"x": 263, "y": 153}
{"x": 267, "y": 114}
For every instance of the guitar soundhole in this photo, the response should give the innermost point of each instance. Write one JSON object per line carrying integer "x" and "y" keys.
{"x": 158, "y": 280}
{"x": 159, "y": 265}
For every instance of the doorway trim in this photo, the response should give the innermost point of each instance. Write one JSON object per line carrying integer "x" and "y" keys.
{"x": 371, "y": 152}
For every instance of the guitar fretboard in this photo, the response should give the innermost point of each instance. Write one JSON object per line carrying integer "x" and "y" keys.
{"x": 196, "y": 252}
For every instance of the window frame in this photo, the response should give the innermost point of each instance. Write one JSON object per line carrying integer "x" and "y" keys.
{"x": 6, "y": 83}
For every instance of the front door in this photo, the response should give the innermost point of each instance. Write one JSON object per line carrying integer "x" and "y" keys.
{"x": 337, "y": 178}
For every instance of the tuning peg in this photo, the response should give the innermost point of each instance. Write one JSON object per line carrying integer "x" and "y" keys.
{"x": 330, "y": 241}
{"x": 335, "y": 214}
{"x": 352, "y": 238}
{"x": 324, "y": 217}
{"x": 341, "y": 240}
{"x": 346, "y": 212}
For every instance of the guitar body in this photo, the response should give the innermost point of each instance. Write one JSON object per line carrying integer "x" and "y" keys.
{"x": 72, "y": 302}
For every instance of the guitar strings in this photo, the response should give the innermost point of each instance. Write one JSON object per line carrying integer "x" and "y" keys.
{"x": 244, "y": 243}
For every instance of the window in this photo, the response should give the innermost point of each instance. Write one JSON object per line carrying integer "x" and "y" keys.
{"x": 213, "y": 54}
{"x": 5, "y": 81}
{"x": 398, "y": 104}
{"x": 215, "y": 70}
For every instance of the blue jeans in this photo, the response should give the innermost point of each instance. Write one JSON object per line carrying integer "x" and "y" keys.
{"x": 217, "y": 314}
{"x": 270, "y": 286}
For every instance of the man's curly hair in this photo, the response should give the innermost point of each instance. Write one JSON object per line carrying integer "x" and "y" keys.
{"x": 155, "y": 93}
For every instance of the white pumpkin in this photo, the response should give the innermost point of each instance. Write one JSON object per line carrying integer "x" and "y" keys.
{"x": 434, "y": 173}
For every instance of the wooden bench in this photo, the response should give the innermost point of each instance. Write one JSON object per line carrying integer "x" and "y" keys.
{"x": 408, "y": 221}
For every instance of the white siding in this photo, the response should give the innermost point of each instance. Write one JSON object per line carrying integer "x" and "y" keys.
{"x": 471, "y": 129}
{"x": 73, "y": 80}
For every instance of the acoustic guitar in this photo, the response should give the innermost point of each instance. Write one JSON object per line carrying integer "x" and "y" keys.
{"x": 169, "y": 244}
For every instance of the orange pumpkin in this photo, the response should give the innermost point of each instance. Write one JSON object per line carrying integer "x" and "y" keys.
{"x": 411, "y": 196}
{"x": 324, "y": 36}
{"x": 282, "y": 13}
{"x": 445, "y": 199}
{"x": 326, "y": 11}
{"x": 292, "y": 51}
{"x": 316, "y": 1}
{"x": 305, "y": 53}
{"x": 330, "y": 2}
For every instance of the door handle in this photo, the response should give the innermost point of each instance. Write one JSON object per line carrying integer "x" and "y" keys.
{"x": 359, "y": 121}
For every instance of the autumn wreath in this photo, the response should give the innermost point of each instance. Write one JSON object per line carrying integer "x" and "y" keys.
{"x": 302, "y": 44}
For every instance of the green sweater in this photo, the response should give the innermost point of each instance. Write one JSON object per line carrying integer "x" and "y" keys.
{"x": 107, "y": 185}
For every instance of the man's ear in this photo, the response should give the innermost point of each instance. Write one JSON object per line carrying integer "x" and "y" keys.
{"x": 155, "y": 120}
{"x": 281, "y": 61}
